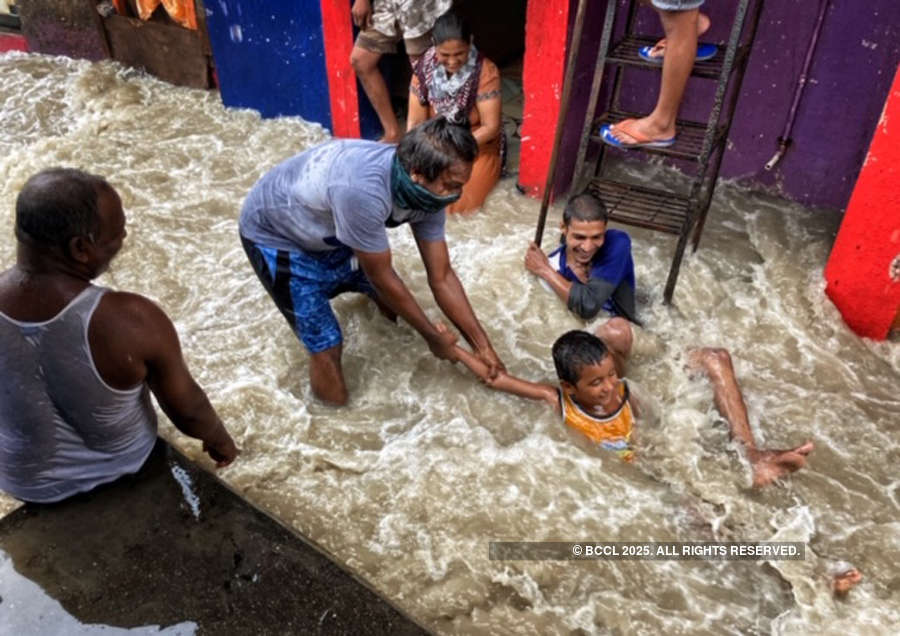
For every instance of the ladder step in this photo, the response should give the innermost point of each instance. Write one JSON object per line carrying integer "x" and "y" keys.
{"x": 641, "y": 206}
{"x": 698, "y": 146}
{"x": 688, "y": 140}
{"x": 625, "y": 51}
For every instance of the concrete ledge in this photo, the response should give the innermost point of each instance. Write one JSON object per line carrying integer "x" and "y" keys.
{"x": 173, "y": 545}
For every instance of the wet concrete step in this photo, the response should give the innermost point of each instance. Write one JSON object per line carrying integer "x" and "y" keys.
{"x": 173, "y": 546}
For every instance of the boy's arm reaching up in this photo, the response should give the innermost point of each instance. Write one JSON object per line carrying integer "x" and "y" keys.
{"x": 503, "y": 381}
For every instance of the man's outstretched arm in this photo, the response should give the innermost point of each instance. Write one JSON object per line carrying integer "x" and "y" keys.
{"x": 451, "y": 298}
{"x": 168, "y": 377}
{"x": 505, "y": 382}
{"x": 393, "y": 292}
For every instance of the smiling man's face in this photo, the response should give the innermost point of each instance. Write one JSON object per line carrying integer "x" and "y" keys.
{"x": 583, "y": 239}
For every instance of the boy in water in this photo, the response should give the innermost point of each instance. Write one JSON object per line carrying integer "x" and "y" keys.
{"x": 592, "y": 269}
{"x": 595, "y": 400}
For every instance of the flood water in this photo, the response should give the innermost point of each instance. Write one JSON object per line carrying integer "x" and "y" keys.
{"x": 409, "y": 483}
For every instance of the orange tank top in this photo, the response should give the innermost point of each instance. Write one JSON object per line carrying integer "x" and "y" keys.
{"x": 612, "y": 431}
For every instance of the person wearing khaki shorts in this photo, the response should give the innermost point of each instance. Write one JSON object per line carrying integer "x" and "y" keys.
{"x": 382, "y": 24}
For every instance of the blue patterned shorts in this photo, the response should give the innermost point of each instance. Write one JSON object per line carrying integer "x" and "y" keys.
{"x": 302, "y": 284}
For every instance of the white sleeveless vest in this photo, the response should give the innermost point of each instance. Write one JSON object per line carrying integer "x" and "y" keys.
{"x": 63, "y": 430}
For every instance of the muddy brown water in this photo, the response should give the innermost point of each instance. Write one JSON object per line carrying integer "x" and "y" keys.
{"x": 409, "y": 483}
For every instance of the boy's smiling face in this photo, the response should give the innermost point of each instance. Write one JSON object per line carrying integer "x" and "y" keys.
{"x": 597, "y": 387}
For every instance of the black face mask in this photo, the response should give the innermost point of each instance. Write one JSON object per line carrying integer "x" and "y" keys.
{"x": 410, "y": 195}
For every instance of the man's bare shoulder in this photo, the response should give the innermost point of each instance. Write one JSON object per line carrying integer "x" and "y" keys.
{"x": 129, "y": 333}
{"x": 131, "y": 311}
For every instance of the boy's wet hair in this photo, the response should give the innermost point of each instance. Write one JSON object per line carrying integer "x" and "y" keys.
{"x": 58, "y": 204}
{"x": 575, "y": 350}
{"x": 435, "y": 145}
{"x": 585, "y": 207}
{"x": 450, "y": 26}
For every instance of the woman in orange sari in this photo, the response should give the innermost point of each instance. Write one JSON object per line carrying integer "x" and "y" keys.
{"x": 454, "y": 80}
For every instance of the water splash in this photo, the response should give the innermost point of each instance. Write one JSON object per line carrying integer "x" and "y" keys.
{"x": 426, "y": 466}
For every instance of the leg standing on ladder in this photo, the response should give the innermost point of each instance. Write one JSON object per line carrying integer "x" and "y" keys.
{"x": 681, "y": 28}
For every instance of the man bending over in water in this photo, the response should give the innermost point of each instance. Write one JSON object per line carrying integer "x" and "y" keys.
{"x": 315, "y": 226}
{"x": 595, "y": 400}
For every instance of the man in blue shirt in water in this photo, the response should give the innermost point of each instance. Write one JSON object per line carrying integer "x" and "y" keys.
{"x": 592, "y": 269}
{"x": 314, "y": 226}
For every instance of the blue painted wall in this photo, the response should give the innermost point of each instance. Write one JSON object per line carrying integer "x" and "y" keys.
{"x": 270, "y": 56}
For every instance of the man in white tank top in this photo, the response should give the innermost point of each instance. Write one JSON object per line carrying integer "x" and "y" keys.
{"x": 79, "y": 361}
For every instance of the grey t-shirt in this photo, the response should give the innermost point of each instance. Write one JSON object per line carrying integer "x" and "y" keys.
{"x": 337, "y": 193}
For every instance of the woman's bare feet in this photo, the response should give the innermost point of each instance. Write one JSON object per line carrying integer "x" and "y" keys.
{"x": 845, "y": 581}
{"x": 770, "y": 465}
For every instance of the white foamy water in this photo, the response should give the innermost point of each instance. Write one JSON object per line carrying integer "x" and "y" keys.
{"x": 409, "y": 483}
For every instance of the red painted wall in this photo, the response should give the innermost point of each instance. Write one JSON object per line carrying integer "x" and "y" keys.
{"x": 863, "y": 271}
{"x": 12, "y": 42}
{"x": 546, "y": 29}
{"x": 337, "y": 27}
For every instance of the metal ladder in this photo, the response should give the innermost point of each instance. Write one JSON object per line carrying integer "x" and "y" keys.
{"x": 700, "y": 144}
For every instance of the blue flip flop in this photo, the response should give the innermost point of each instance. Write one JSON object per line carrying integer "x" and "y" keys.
{"x": 705, "y": 51}
{"x": 607, "y": 137}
